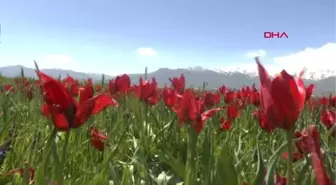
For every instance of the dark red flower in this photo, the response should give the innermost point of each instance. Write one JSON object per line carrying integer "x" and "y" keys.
{"x": 190, "y": 110}
{"x": 263, "y": 120}
{"x": 324, "y": 101}
{"x": 65, "y": 112}
{"x": 211, "y": 99}
{"x": 178, "y": 83}
{"x": 147, "y": 91}
{"x": 7, "y": 88}
{"x": 309, "y": 91}
{"x": 72, "y": 85}
{"x": 225, "y": 123}
{"x": 222, "y": 89}
{"x": 278, "y": 180}
{"x": 296, "y": 156}
{"x": 98, "y": 139}
{"x": 311, "y": 143}
{"x": 54, "y": 92}
{"x": 85, "y": 93}
{"x": 229, "y": 97}
{"x": 120, "y": 84}
{"x": 255, "y": 98}
{"x": 232, "y": 112}
{"x": 328, "y": 118}
{"x": 169, "y": 96}
{"x": 332, "y": 101}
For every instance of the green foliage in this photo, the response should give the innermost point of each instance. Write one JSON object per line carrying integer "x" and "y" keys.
{"x": 145, "y": 148}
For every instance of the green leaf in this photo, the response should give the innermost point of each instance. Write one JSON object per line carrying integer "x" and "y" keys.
{"x": 300, "y": 178}
{"x": 328, "y": 163}
{"x": 207, "y": 158}
{"x": 113, "y": 174}
{"x": 271, "y": 164}
{"x": 191, "y": 165}
{"x": 226, "y": 173}
{"x": 177, "y": 166}
{"x": 261, "y": 168}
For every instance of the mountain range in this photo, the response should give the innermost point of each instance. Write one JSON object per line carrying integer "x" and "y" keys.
{"x": 195, "y": 77}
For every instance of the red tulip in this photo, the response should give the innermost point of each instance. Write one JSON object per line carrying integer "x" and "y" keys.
{"x": 65, "y": 112}
{"x": 169, "y": 96}
{"x": 232, "y": 112}
{"x": 328, "y": 118}
{"x": 311, "y": 143}
{"x": 72, "y": 85}
{"x": 222, "y": 89}
{"x": 147, "y": 91}
{"x": 309, "y": 91}
{"x": 190, "y": 110}
{"x": 301, "y": 149}
{"x": 178, "y": 83}
{"x": 211, "y": 99}
{"x": 97, "y": 139}
{"x": 278, "y": 180}
{"x": 120, "y": 84}
{"x": 283, "y": 98}
{"x": 225, "y": 123}
{"x": 8, "y": 88}
{"x": 296, "y": 156}
{"x": 263, "y": 120}
{"x": 86, "y": 93}
{"x": 229, "y": 97}
{"x": 324, "y": 101}
{"x": 332, "y": 101}
{"x": 255, "y": 98}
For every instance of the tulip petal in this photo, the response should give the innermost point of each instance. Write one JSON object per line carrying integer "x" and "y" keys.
{"x": 209, "y": 113}
{"x": 284, "y": 100}
{"x": 86, "y": 93}
{"x": 55, "y": 92}
{"x": 103, "y": 101}
{"x": 265, "y": 84}
{"x": 59, "y": 119}
{"x": 92, "y": 106}
{"x": 264, "y": 77}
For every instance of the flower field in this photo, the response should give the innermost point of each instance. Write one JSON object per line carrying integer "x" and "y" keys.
{"x": 57, "y": 132}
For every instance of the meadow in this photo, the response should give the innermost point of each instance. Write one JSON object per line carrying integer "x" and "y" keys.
{"x": 66, "y": 131}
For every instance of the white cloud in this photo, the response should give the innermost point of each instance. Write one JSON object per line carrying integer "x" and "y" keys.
{"x": 146, "y": 52}
{"x": 318, "y": 62}
{"x": 252, "y": 54}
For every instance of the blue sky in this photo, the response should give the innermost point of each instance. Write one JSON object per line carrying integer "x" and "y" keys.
{"x": 110, "y": 36}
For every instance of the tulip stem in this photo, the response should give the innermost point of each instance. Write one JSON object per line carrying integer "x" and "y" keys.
{"x": 63, "y": 157}
{"x": 189, "y": 179}
{"x": 290, "y": 156}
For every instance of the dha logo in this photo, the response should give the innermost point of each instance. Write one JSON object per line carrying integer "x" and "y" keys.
{"x": 278, "y": 35}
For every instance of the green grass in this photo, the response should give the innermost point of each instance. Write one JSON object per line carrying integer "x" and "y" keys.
{"x": 147, "y": 146}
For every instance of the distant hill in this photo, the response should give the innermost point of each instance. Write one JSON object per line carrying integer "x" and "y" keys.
{"x": 195, "y": 78}
{"x": 14, "y": 71}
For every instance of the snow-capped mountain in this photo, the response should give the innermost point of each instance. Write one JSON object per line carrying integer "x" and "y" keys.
{"x": 311, "y": 75}
{"x": 324, "y": 80}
